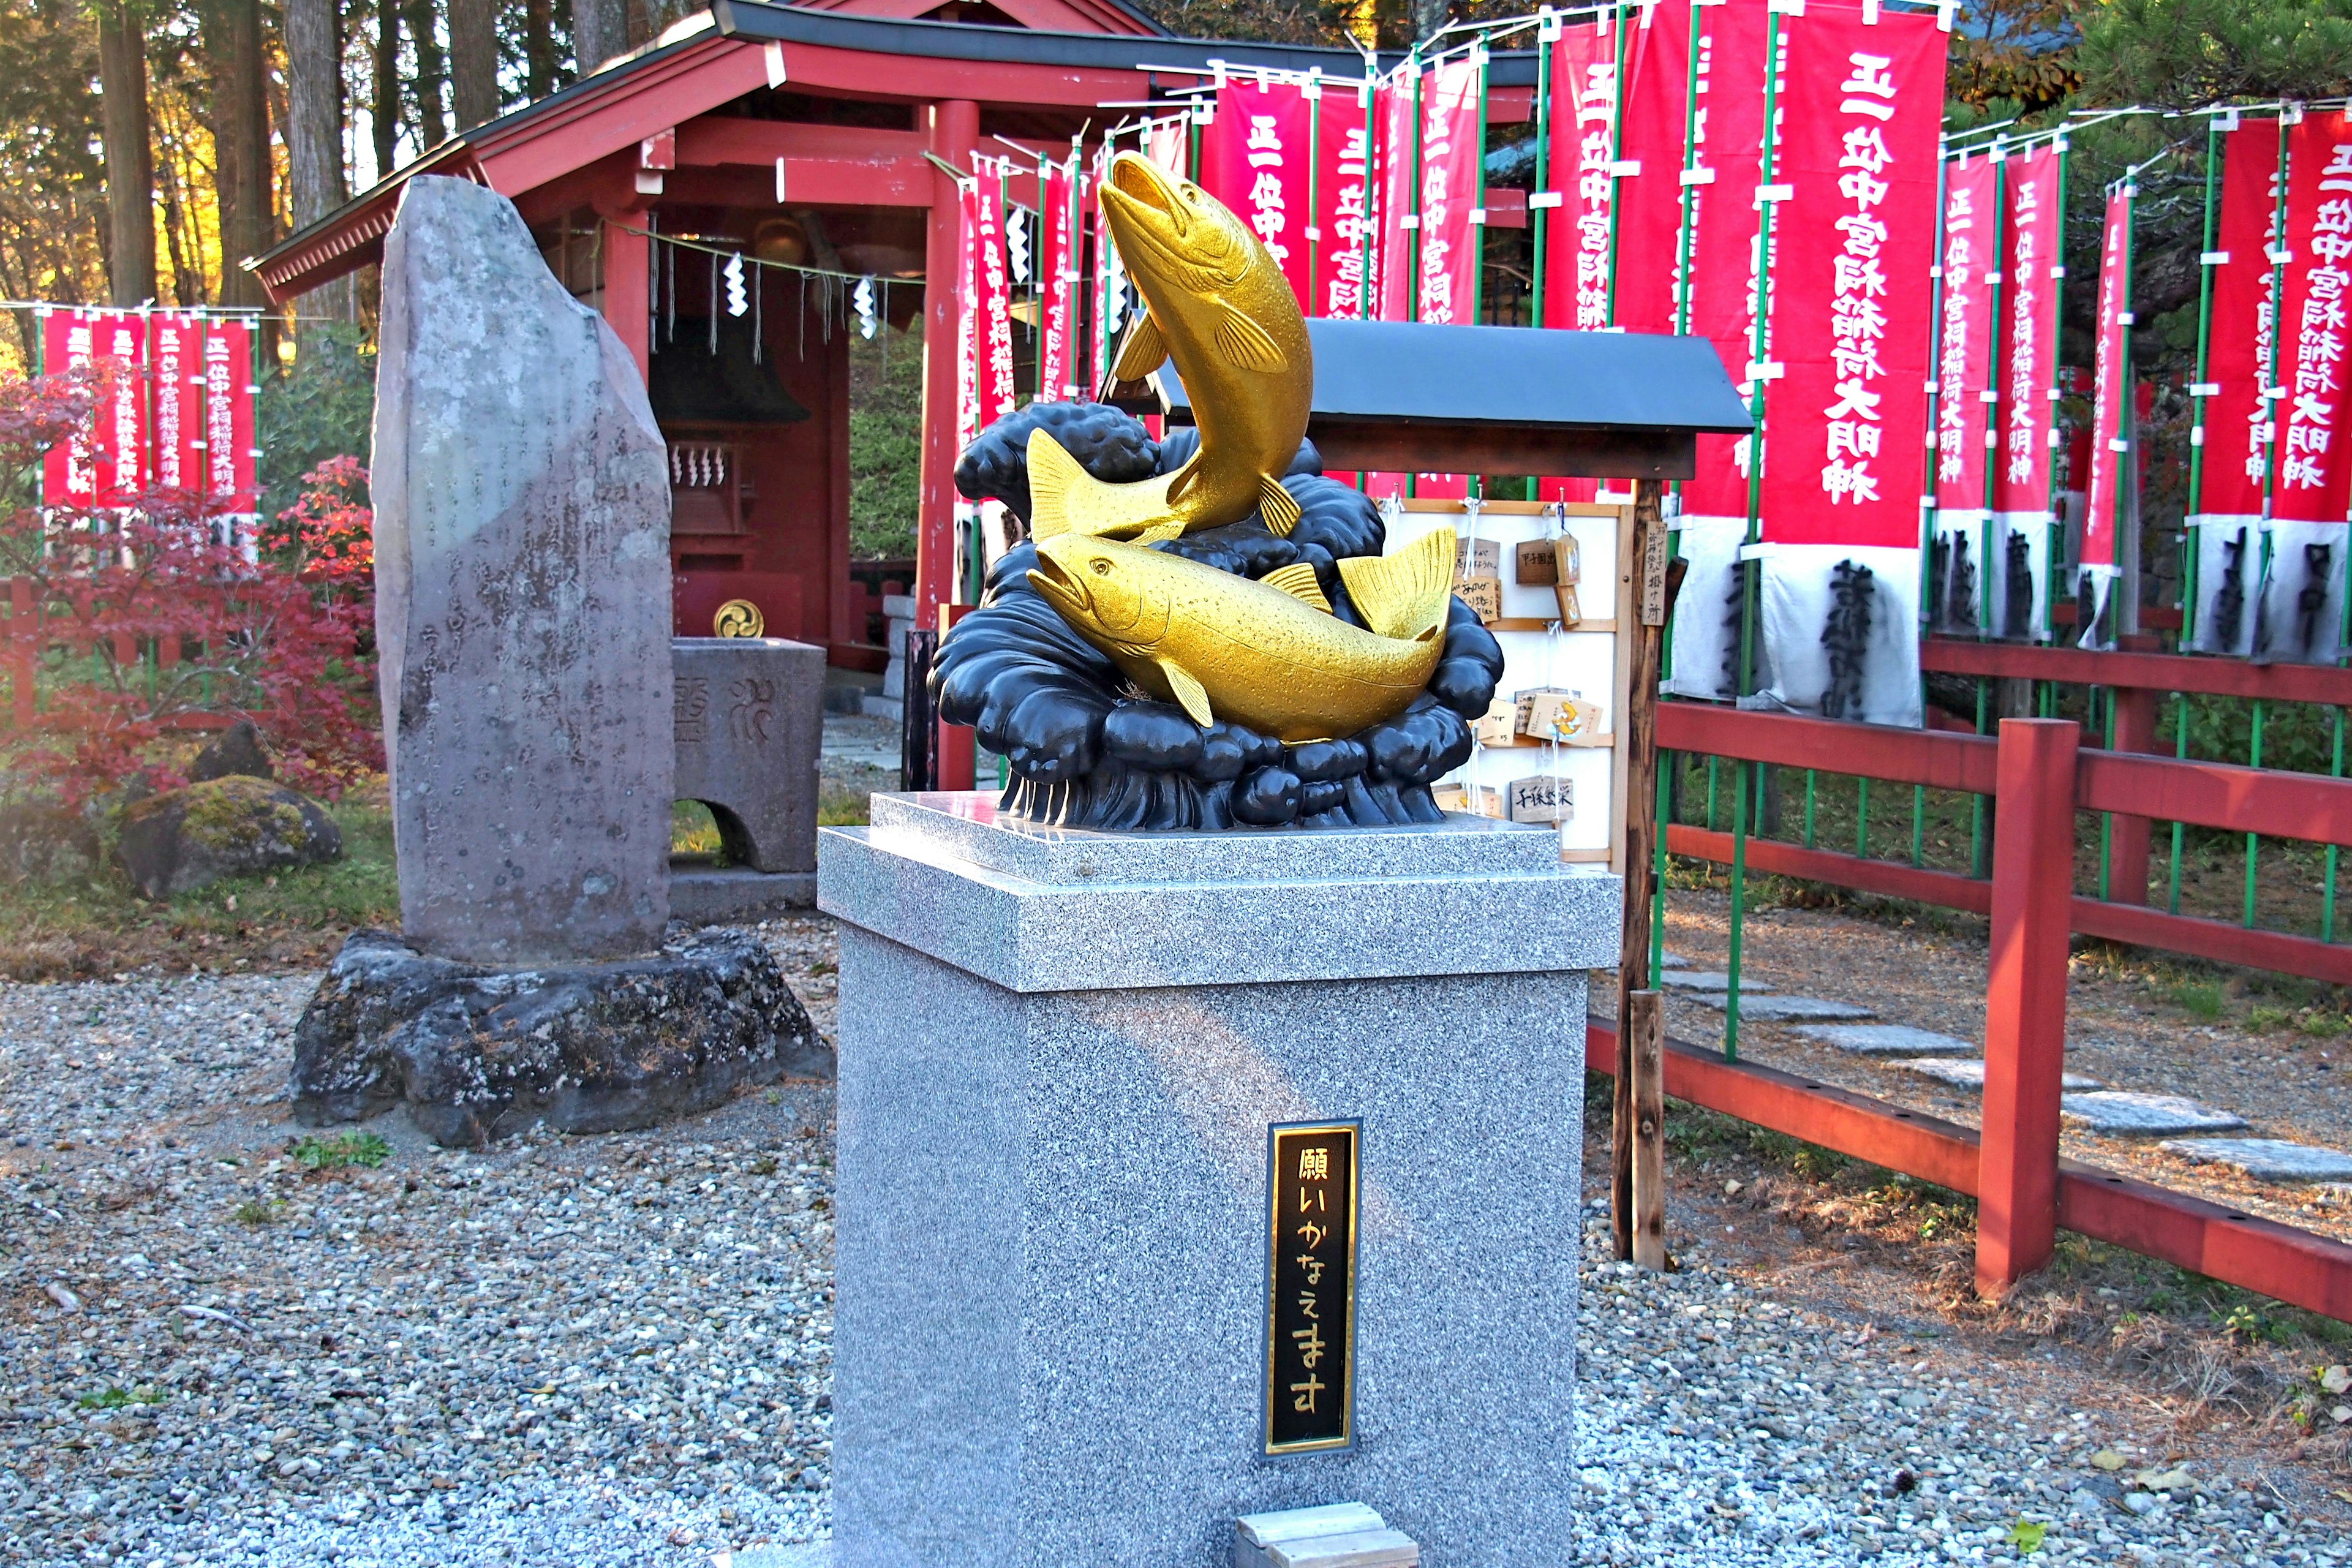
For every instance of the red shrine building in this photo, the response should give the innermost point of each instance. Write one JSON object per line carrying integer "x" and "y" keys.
{"x": 822, "y": 135}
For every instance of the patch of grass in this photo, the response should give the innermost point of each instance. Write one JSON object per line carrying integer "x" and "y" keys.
{"x": 2198, "y": 998}
{"x": 2269, "y": 1020}
{"x": 342, "y": 1150}
{"x": 694, "y": 831}
{"x": 255, "y": 1212}
{"x": 114, "y": 1398}
{"x": 56, "y": 929}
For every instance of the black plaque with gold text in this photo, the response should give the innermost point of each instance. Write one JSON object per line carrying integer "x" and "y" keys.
{"x": 1310, "y": 1298}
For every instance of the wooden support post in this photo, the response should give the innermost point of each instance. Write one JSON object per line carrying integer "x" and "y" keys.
{"x": 954, "y": 132}
{"x": 1645, "y": 1022}
{"x": 1647, "y": 560}
{"x": 628, "y": 284}
{"x": 2025, "y": 1000}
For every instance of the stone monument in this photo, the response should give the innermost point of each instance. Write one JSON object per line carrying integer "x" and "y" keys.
{"x": 524, "y": 630}
{"x": 749, "y": 724}
{"x": 1072, "y": 1296}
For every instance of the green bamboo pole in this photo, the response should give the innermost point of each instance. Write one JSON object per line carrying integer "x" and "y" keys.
{"x": 1616, "y": 156}
{"x": 1756, "y": 347}
{"x": 2128, "y": 455}
{"x": 1475, "y": 483}
{"x": 1979, "y": 859}
{"x": 1314, "y": 226}
{"x": 1929, "y": 514}
{"x": 1412, "y": 251}
{"x": 2253, "y": 841}
{"x": 1539, "y": 218}
{"x": 2213, "y": 154}
{"x": 1683, "y": 234}
{"x": 2270, "y": 460}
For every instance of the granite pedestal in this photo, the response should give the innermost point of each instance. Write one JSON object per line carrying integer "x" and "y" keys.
{"x": 1060, "y": 1053}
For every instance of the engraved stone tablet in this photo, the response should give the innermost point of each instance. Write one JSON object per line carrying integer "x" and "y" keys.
{"x": 522, "y": 599}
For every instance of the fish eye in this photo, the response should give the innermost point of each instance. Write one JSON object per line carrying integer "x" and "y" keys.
{"x": 1102, "y": 567}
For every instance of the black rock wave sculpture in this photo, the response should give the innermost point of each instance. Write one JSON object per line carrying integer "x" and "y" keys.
{"x": 1086, "y": 748}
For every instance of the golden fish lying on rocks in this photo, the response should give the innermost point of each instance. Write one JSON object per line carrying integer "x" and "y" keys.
{"x": 1220, "y": 307}
{"x": 1269, "y": 654}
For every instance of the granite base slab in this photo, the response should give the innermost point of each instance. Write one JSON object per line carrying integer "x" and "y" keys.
{"x": 2265, "y": 1159}
{"x": 1886, "y": 1039}
{"x": 1971, "y": 1073}
{"x": 1786, "y": 1009}
{"x": 1051, "y": 1268}
{"x": 716, "y": 895}
{"x": 1714, "y": 980}
{"x": 2126, "y": 1113}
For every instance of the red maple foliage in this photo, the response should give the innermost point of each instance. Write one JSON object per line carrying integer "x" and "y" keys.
{"x": 281, "y": 639}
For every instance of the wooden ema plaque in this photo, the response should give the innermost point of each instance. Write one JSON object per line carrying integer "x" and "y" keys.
{"x": 1310, "y": 1287}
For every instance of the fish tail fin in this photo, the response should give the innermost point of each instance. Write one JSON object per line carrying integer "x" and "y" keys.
{"x": 1277, "y": 506}
{"x": 1403, "y": 596}
{"x": 1054, "y": 479}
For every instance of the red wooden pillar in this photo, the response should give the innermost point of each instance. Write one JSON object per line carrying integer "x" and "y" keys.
{"x": 2128, "y": 836}
{"x": 2025, "y": 1000}
{"x": 628, "y": 273}
{"x": 954, "y": 135}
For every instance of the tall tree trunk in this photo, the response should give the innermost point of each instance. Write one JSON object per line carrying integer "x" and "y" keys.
{"x": 387, "y": 85}
{"x": 241, "y": 139}
{"x": 637, "y": 21}
{"x": 314, "y": 126}
{"x": 432, "y": 75}
{"x": 1429, "y": 17}
{"x": 474, "y": 61}
{"x": 599, "y": 31}
{"x": 129, "y": 157}
{"x": 542, "y": 55}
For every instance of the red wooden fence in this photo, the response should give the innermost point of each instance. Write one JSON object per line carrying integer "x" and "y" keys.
{"x": 2039, "y": 776}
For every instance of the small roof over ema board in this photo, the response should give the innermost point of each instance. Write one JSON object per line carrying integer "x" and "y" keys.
{"x": 1401, "y": 397}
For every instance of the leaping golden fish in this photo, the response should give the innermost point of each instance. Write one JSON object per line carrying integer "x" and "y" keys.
{"x": 1217, "y": 304}
{"x": 1269, "y": 654}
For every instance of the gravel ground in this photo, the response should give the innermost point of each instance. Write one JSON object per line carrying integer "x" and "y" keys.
{"x": 2119, "y": 1032}
{"x": 615, "y": 1350}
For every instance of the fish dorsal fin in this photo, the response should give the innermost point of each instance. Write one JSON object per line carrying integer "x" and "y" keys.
{"x": 1241, "y": 341}
{"x": 1190, "y": 693}
{"x": 1297, "y": 580}
{"x": 1404, "y": 595}
{"x": 1055, "y": 477}
{"x": 1141, "y": 352}
{"x": 1277, "y": 506}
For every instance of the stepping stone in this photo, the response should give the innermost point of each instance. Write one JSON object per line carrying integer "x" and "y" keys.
{"x": 1786, "y": 1009}
{"x": 1669, "y": 959}
{"x": 1970, "y": 1075}
{"x": 1708, "y": 980}
{"x": 2265, "y": 1159}
{"x": 2124, "y": 1113}
{"x": 1888, "y": 1040}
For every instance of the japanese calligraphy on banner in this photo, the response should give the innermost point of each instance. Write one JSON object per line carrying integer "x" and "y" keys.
{"x": 179, "y": 389}
{"x": 1393, "y": 109}
{"x": 2032, "y": 227}
{"x": 1721, "y": 182}
{"x": 967, "y": 378}
{"x": 1583, "y": 149}
{"x": 994, "y": 299}
{"x": 2244, "y": 309}
{"x": 1853, "y": 242}
{"x": 1057, "y": 280}
{"x": 70, "y": 476}
{"x": 1452, "y": 137}
{"x": 1343, "y": 216}
{"x": 2110, "y": 382}
{"x": 2313, "y": 479}
{"x": 230, "y": 448}
{"x": 1257, "y": 154}
{"x": 1965, "y": 334}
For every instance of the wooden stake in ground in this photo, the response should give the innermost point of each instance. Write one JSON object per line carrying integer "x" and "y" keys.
{"x": 1645, "y": 1025}
{"x": 1647, "y": 558}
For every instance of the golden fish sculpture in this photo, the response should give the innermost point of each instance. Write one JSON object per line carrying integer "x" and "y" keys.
{"x": 1217, "y": 304}
{"x": 1269, "y": 654}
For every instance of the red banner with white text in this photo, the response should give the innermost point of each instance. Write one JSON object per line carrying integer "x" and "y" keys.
{"x": 1452, "y": 135}
{"x": 1392, "y": 110}
{"x": 994, "y": 301}
{"x": 177, "y": 384}
{"x": 1862, "y": 98}
{"x": 70, "y": 476}
{"x": 2314, "y": 476}
{"x": 2032, "y": 231}
{"x": 2244, "y": 309}
{"x": 969, "y": 423}
{"x": 1258, "y": 155}
{"x": 1339, "y": 247}
{"x": 1583, "y": 148}
{"x": 1965, "y": 334}
{"x": 2110, "y": 383}
{"x": 1057, "y": 283}
{"x": 1721, "y": 186}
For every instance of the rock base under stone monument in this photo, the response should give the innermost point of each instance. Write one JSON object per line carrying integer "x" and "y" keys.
{"x": 476, "y": 1053}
